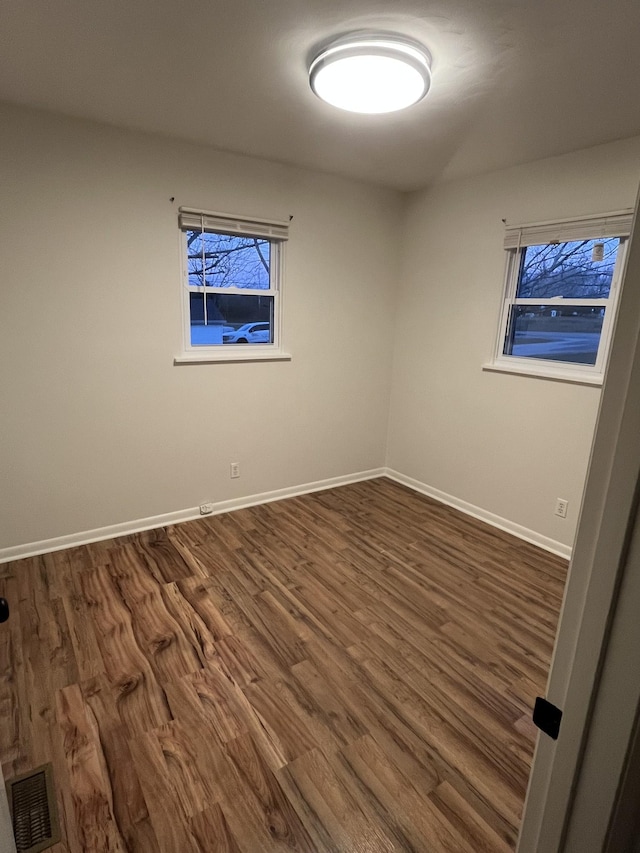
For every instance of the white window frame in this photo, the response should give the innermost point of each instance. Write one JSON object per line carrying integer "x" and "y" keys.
{"x": 517, "y": 238}
{"x": 276, "y": 232}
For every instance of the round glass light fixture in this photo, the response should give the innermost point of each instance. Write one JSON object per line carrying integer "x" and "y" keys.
{"x": 371, "y": 73}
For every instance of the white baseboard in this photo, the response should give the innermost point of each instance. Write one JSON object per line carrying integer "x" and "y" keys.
{"x": 32, "y": 549}
{"x": 518, "y": 530}
{"x": 44, "y": 546}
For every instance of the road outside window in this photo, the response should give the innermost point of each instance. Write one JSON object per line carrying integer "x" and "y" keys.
{"x": 561, "y": 297}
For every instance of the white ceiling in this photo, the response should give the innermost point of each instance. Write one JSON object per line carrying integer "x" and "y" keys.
{"x": 513, "y": 80}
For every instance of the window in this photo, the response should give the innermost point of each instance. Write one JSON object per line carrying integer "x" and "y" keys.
{"x": 232, "y": 276}
{"x": 561, "y": 293}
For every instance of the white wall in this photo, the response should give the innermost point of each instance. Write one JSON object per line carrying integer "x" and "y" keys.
{"x": 99, "y": 427}
{"x": 97, "y": 424}
{"x": 506, "y": 444}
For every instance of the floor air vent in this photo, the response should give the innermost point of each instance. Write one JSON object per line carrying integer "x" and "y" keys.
{"x": 32, "y": 803}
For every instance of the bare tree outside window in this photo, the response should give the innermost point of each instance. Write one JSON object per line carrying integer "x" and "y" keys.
{"x": 561, "y": 300}
{"x": 567, "y": 270}
{"x": 218, "y": 266}
{"x": 225, "y": 260}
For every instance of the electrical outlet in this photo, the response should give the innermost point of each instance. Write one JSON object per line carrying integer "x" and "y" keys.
{"x": 235, "y": 470}
{"x": 205, "y": 509}
{"x": 561, "y": 507}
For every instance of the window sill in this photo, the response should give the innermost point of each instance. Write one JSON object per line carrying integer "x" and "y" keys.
{"x": 556, "y": 375}
{"x": 216, "y": 358}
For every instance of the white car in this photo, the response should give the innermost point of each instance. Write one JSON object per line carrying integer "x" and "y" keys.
{"x": 250, "y": 333}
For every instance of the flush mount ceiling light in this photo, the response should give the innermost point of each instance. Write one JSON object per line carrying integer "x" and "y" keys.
{"x": 371, "y": 73}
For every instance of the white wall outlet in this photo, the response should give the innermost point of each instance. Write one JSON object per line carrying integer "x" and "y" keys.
{"x": 235, "y": 470}
{"x": 205, "y": 509}
{"x": 561, "y": 507}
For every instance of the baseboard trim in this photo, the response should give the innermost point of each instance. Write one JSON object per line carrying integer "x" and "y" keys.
{"x": 518, "y": 530}
{"x": 59, "y": 543}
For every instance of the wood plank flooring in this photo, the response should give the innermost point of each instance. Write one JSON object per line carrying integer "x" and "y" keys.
{"x": 352, "y": 670}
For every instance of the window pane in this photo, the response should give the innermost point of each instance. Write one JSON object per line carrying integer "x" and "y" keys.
{"x": 223, "y": 260}
{"x": 194, "y": 259}
{"x": 230, "y": 319}
{"x": 569, "y": 333}
{"x": 568, "y": 269}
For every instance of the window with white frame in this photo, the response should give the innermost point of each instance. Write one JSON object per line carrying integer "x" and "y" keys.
{"x": 561, "y": 294}
{"x": 232, "y": 284}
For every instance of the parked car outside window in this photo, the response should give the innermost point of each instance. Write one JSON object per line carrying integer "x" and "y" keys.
{"x": 249, "y": 333}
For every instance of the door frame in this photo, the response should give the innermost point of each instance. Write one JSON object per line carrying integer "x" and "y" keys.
{"x": 582, "y": 653}
{"x": 7, "y": 841}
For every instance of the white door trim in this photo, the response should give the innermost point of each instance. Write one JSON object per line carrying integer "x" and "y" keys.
{"x": 7, "y": 842}
{"x": 612, "y": 728}
{"x": 595, "y": 572}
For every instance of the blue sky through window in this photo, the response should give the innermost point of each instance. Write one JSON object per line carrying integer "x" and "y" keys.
{"x": 567, "y": 270}
{"x": 224, "y": 260}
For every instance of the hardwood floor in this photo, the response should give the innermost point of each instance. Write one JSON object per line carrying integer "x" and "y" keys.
{"x": 350, "y": 670}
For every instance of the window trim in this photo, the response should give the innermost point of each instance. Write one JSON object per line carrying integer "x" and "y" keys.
{"x": 617, "y": 224}
{"x": 276, "y": 232}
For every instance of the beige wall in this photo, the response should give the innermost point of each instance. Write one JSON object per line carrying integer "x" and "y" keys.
{"x": 507, "y": 444}
{"x": 97, "y": 424}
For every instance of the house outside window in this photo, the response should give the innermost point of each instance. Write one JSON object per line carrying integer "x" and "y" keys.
{"x": 562, "y": 286}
